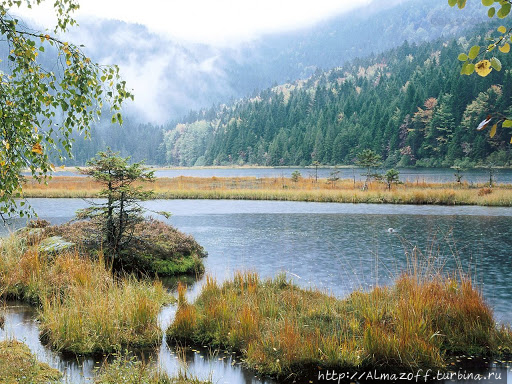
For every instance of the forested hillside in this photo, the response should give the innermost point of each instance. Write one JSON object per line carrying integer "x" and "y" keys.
{"x": 409, "y": 104}
{"x": 277, "y": 126}
{"x": 137, "y": 140}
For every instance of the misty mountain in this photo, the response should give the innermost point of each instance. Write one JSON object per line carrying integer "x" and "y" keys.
{"x": 172, "y": 78}
{"x": 409, "y": 104}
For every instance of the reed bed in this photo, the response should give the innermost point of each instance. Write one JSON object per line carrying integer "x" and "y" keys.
{"x": 283, "y": 330}
{"x": 83, "y": 308}
{"x": 282, "y": 188}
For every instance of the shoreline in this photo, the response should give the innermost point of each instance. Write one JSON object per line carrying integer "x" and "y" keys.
{"x": 285, "y": 189}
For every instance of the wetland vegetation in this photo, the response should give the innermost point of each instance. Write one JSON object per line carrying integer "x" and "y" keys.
{"x": 303, "y": 189}
{"x": 420, "y": 322}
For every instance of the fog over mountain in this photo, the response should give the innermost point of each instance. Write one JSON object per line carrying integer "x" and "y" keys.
{"x": 171, "y": 78}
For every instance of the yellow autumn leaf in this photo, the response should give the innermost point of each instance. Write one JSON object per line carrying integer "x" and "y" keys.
{"x": 37, "y": 148}
{"x": 483, "y": 68}
{"x": 493, "y": 130}
{"x": 505, "y": 48}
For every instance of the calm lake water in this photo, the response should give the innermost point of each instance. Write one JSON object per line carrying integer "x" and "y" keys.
{"x": 434, "y": 175}
{"x": 334, "y": 247}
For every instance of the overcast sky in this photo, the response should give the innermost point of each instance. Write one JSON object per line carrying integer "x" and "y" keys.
{"x": 217, "y": 22}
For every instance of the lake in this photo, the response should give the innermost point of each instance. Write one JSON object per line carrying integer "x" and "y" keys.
{"x": 334, "y": 247}
{"x": 431, "y": 175}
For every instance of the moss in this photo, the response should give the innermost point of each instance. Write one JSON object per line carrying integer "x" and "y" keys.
{"x": 55, "y": 244}
{"x": 189, "y": 265}
{"x": 18, "y": 365}
{"x": 155, "y": 248}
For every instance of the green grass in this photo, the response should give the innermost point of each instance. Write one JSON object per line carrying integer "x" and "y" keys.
{"x": 281, "y": 330}
{"x": 19, "y": 366}
{"x": 83, "y": 308}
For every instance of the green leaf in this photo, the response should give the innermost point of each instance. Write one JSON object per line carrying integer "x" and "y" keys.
{"x": 487, "y": 3}
{"x": 504, "y": 10}
{"x": 463, "y": 57}
{"x": 491, "y": 47}
{"x": 502, "y": 29}
{"x": 467, "y": 69}
{"x": 491, "y": 12}
{"x": 496, "y": 64}
{"x": 507, "y": 124}
{"x": 452, "y": 3}
{"x": 461, "y": 3}
{"x": 474, "y": 51}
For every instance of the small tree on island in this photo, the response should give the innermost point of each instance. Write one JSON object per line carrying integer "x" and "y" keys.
{"x": 316, "y": 164}
{"x": 121, "y": 212}
{"x": 458, "y": 174}
{"x": 392, "y": 177}
{"x": 334, "y": 176}
{"x": 296, "y": 176}
{"x": 370, "y": 160}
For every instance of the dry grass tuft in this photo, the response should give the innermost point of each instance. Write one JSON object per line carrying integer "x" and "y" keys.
{"x": 282, "y": 188}
{"x": 282, "y": 329}
{"x": 83, "y": 307}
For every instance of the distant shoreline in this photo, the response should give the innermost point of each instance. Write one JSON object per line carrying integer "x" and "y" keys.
{"x": 285, "y": 189}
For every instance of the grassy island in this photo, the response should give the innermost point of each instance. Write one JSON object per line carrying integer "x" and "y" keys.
{"x": 83, "y": 307}
{"x": 18, "y": 365}
{"x": 281, "y": 188}
{"x": 282, "y": 330}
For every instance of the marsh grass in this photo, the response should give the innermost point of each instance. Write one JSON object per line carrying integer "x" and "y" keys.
{"x": 417, "y": 323}
{"x": 281, "y": 188}
{"x": 83, "y": 307}
{"x": 130, "y": 370}
{"x": 18, "y": 365}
